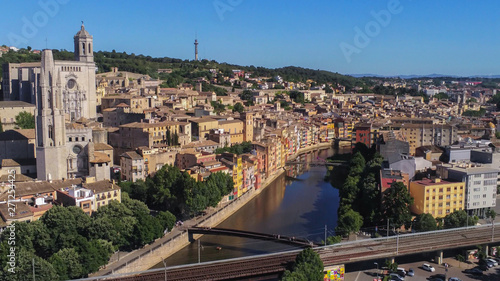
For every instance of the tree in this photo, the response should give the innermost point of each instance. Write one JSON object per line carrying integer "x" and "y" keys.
{"x": 167, "y": 220}
{"x": 44, "y": 271}
{"x": 349, "y": 222}
{"x": 66, "y": 262}
{"x": 330, "y": 240}
{"x": 490, "y": 213}
{"x": 459, "y": 219}
{"x": 1, "y": 127}
{"x": 460, "y": 258}
{"x": 392, "y": 266}
{"x": 308, "y": 266}
{"x": 238, "y": 107}
{"x": 425, "y": 222}
{"x": 396, "y": 203}
{"x": 25, "y": 120}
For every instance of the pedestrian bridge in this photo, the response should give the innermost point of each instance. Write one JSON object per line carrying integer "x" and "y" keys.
{"x": 289, "y": 240}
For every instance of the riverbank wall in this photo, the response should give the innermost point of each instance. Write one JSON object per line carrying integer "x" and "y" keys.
{"x": 156, "y": 252}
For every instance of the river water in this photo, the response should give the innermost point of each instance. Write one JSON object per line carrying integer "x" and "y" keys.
{"x": 297, "y": 204}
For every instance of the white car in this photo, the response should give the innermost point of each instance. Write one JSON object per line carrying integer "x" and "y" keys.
{"x": 494, "y": 262}
{"x": 428, "y": 267}
{"x": 454, "y": 279}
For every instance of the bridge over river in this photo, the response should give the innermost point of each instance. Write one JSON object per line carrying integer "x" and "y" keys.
{"x": 253, "y": 235}
{"x": 343, "y": 253}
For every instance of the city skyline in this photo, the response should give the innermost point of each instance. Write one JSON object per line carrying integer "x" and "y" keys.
{"x": 383, "y": 38}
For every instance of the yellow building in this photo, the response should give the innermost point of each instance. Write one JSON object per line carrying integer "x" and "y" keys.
{"x": 138, "y": 134}
{"x": 235, "y": 130}
{"x": 437, "y": 197}
{"x": 201, "y": 127}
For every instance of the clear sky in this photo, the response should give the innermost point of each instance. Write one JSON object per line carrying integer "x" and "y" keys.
{"x": 386, "y": 37}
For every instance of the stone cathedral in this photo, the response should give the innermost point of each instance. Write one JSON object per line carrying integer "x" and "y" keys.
{"x": 65, "y": 94}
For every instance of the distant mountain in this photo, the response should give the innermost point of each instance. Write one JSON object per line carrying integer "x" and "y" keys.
{"x": 412, "y": 76}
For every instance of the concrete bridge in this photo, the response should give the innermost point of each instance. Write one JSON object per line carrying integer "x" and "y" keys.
{"x": 289, "y": 240}
{"x": 343, "y": 253}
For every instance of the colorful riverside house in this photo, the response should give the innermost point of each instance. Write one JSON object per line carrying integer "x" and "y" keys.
{"x": 330, "y": 132}
{"x": 234, "y": 163}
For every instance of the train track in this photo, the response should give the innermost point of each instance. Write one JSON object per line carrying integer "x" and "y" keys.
{"x": 331, "y": 255}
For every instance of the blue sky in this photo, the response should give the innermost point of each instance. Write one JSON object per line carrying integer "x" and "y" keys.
{"x": 420, "y": 37}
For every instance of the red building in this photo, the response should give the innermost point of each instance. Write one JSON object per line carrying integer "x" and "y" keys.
{"x": 362, "y": 133}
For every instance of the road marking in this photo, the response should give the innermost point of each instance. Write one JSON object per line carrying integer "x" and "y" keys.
{"x": 357, "y": 276}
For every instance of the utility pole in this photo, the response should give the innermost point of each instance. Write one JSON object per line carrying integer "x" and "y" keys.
{"x": 325, "y": 234}
{"x": 388, "y": 228}
{"x": 397, "y": 244}
{"x": 165, "y": 265}
{"x": 199, "y": 258}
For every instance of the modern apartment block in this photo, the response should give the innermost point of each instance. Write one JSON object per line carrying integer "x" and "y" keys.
{"x": 480, "y": 185}
{"x": 437, "y": 197}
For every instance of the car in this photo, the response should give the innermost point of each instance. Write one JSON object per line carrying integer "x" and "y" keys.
{"x": 428, "y": 267}
{"x": 395, "y": 276}
{"x": 401, "y": 271}
{"x": 494, "y": 262}
{"x": 438, "y": 276}
{"x": 486, "y": 262}
{"x": 410, "y": 272}
{"x": 454, "y": 279}
{"x": 436, "y": 279}
{"x": 474, "y": 271}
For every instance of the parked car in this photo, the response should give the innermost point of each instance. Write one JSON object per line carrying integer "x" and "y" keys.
{"x": 395, "y": 276}
{"x": 401, "y": 271}
{"x": 486, "y": 262}
{"x": 438, "y": 276}
{"x": 474, "y": 271}
{"x": 436, "y": 279}
{"x": 428, "y": 267}
{"x": 494, "y": 262}
{"x": 410, "y": 272}
{"x": 454, "y": 279}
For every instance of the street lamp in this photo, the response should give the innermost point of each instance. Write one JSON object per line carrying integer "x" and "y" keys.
{"x": 165, "y": 265}
{"x": 377, "y": 268}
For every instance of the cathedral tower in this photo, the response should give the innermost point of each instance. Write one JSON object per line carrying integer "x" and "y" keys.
{"x": 50, "y": 128}
{"x": 84, "y": 46}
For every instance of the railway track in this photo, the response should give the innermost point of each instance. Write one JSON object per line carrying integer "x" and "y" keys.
{"x": 335, "y": 254}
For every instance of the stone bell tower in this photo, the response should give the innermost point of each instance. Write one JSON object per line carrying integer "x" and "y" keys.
{"x": 84, "y": 46}
{"x": 50, "y": 126}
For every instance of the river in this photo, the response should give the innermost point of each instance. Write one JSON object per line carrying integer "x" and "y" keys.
{"x": 299, "y": 204}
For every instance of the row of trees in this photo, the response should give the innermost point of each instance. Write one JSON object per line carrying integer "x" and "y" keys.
{"x": 66, "y": 243}
{"x": 361, "y": 203}
{"x": 240, "y": 148}
{"x": 177, "y": 192}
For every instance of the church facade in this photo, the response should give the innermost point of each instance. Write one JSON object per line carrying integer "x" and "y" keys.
{"x": 21, "y": 81}
{"x": 64, "y": 93}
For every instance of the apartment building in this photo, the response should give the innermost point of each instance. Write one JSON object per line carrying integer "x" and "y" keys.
{"x": 428, "y": 134}
{"x": 437, "y": 197}
{"x": 480, "y": 185}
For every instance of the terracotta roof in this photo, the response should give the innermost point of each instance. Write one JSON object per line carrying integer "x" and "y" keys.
{"x": 74, "y": 126}
{"x": 101, "y": 186}
{"x": 28, "y": 133}
{"x": 17, "y": 178}
{"x": 22, "y": 211}
{"x": 16, "y": 135}
{"x": 122, "y": 105}
{"x": 102, "y": 146}
{"x": 15, "y": 104}
{"x": 131, "y": 155}
{"x": 100, "y": 157}
{"x": 9, "y": 163}
{"x": 149, "y": 125}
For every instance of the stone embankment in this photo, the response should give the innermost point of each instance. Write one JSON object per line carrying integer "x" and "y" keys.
{"x": 151, "y": 255}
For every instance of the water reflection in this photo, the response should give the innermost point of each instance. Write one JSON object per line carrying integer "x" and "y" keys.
{"x": 299, "y": 208}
